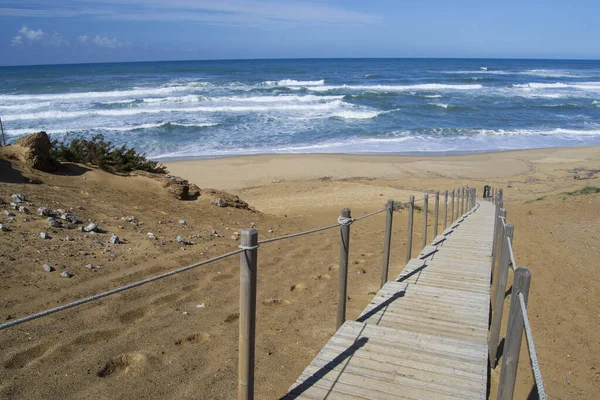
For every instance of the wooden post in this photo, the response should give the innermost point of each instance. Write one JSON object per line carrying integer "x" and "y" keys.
{"x": 514, "y": 335}
{"x": 497, "y": 240}
{"x": 411, "y": 214}
{"x": 387, "y": 242}
{"x": 445, "y": 208}
{"x": 457, "y": 203}
{"x": 425, "y": 212}
{"x": 462, "y": 202}
{"x": 247, "y": 325}
{"x": 436, "y": 214}
{"x": 452, "y": 209}
{"x": 500, "y": 195}
{"x": 501, "y": 277}
{"x": 343, "y": 270}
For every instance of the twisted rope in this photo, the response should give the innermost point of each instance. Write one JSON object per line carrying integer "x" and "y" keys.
{"x": 535, "y": 366}
{"x": 114, "y": 291}
{"x": 512, "y": 255}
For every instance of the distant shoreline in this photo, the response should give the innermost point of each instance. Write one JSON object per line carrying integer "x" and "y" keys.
{"x": 414, "y": 154}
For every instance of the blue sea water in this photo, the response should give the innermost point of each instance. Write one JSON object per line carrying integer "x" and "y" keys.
{"x": 193, "y": 109}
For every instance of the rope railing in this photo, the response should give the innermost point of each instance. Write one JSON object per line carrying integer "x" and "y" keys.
{"x": 504, "y": 260}
{"x": 535, "y": 365}
{"x": 463, "y": 203}
{"x": 113, "y": 291}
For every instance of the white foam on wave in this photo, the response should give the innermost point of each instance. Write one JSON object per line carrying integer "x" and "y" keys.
{"x": 354, "y": 114}
{"x": 293, "y": 82}
{"x": 592, "y": 86}
{"x": 136, "y": 92}
{"x": 27, "y": 106}
{"x": 127, "y": 128}
{"x": 442, "y": 105}
{"x": 399, "y": 88}
{"x": 114, "y": 102}
{"x": 433, "y": 96}
{"x": 206, "y": 109}
{"x": 277, "y": 99}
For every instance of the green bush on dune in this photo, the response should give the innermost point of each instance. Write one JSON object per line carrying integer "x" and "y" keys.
{"x": 103, "y": 154}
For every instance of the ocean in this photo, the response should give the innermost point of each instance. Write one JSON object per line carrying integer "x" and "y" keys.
{"x": 196, "y": 109}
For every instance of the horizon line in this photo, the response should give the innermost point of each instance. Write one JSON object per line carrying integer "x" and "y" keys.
{"x": 302, "y": 58}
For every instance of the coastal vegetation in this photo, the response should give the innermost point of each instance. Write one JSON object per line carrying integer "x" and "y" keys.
{"x": 99, "y": 152}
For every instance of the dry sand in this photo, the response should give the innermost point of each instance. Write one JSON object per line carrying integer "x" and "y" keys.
{"x": 140, "y": 344}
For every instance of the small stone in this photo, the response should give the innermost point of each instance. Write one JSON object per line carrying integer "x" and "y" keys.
{"x": 114, "y": 239}
{"x": 44, "y": 235}
{"x": 43, "y": 211}
{"x": 361, "y": 272}
{"x": 91, "y": 227}
{"x": 200, "y": 305}
{"x": 234, "y": 237}
{"x": 270, "y": 230}
{"x": 18, "y": 198}
{"x": 180, "y": 240}
{"x": 24, "y": 209}
{"x": 185, "y": 313}
{"x": 151, "y": 236}
{"x": 48, "y": 268}
{"x": 8, "y": 213}
{"x": 3, "y": 228}
{"x": 252, "y": 224}
{"x": 14, "y": 205}
{"x": 66, "y": 274}
{"x": 219, "y": 202}
{"x": 52, "y": 222}
{"x": 182, "y": 222}
{"x": 69, "y": 238}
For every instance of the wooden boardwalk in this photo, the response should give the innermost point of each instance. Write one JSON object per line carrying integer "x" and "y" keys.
{"x": 424, "y": 335}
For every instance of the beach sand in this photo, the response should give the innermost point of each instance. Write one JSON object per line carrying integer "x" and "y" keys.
{"x": 140, "y": 344}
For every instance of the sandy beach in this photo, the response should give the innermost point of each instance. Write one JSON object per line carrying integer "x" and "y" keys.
{"x": 177, "y": 338}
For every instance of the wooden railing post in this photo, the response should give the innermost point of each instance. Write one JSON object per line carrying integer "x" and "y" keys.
{"x": 457, "y": 203}
{"x": 452, "y": 209}
{"x": 462, "y": 202}
{"x": 436, "y": 214}
{"x": 445, "y": 208}
{"x": 425, "y": 212}
{"x": 514, "y": 335}
{"x": 247, "y": 323}
{"x": 497, "y": 241}
{"x": 500, "y": 193}
{"x": 498, "y": 294}
{"x": 343, "y": 269}
{"x": 411, "y": 214}
{"x": 387, "y": 242}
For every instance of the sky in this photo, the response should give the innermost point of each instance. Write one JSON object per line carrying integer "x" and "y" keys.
{"x": 83, "y": 31}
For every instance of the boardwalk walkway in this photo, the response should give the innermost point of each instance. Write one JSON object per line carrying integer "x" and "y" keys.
{"x": 424, "y": 335}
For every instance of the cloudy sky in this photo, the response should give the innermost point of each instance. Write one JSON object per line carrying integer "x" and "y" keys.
{"x": 75, "y": 31}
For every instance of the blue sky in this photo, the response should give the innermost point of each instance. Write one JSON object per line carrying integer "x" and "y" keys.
{"x": 75, "y": 31}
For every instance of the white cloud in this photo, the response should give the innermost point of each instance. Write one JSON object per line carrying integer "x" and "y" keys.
{"x": 30, "y": 34}
{"x": 83, "y": 39}
{"x": 57, "y": 40}
{"x": 110, "y": 43}
{"x": 26, "y": 35}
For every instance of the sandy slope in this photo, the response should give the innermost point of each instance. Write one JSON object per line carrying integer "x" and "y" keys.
{"x": 141, "y": 345}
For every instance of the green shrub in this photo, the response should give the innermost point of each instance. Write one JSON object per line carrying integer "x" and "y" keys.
{"x": 102, "y": 153}
{"x": 585, "y": 190}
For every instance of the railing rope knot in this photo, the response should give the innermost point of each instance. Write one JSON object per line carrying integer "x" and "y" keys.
{"x": 345, "y": 221}
{"x": 241, "y": 246}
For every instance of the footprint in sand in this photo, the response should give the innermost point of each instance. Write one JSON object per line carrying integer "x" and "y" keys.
{"x": 27, "y": 356}
{"x": 333, "y": 267}
{"x": 221, "y": 277}
{"x": 170, "y": 298}
{"x": 194, "y": 338}
{"x": 133, "y": 316}
{"x": 97, "y": 336}
{"x": 298, "y": 287}
{"x": 123, "y": 364}
{"x": 232, "y": 317}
